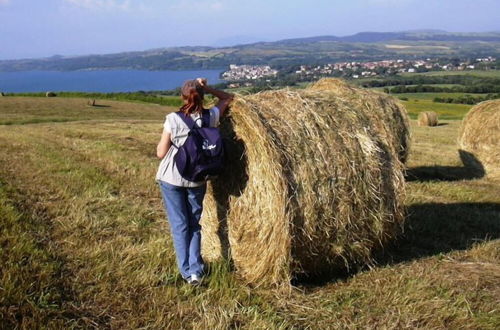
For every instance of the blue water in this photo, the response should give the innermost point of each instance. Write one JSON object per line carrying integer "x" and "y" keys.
{"x": 104, "y": 81}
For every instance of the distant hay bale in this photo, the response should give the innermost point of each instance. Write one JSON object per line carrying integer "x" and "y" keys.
{"x": 91, "y": 103}
{"x": 386, "y": 111}
{"x": 312, "y": 187}
{"x": 479, "y": 139}
{"x": 427, "y": 118}
{"x": 332, "y": 84}
{"x": 2, "y": 94}
{"x": 50, "y": 94}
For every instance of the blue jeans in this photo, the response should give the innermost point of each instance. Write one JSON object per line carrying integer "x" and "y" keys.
{"x": 184, "y": 207}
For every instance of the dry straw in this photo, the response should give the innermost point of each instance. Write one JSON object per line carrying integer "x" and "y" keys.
{"x": 427, "y": 118}
{"x": 50, "y": 94}
{"x": 386, "y": 112}
{"x": 313, "y": 186}
{"x": 479, "y": 139}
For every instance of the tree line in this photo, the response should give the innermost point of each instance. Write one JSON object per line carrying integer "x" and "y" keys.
{"x": 466, "y": 80}
{"x": 475, "y": 89}
{"x": 466, "y": 99}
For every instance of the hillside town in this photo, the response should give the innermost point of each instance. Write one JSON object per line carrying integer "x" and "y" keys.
{"x": 389, "y": 67}
{"x": 248, "y": 72}
{"x": 355, "y": 70}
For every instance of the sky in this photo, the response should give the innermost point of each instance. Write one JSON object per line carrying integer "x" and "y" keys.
{"x": 42, "y": 28}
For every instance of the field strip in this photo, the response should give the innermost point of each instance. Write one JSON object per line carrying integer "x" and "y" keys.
{"x": 42, "y": 121}
{"x": 103, "y": 213}
{"x": 117, "y": 257}
{"x": 32, "y": 279}
{"x": 110, "y": 234}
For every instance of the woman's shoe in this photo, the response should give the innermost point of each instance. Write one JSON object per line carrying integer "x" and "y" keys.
{"x": 194, "y": 280}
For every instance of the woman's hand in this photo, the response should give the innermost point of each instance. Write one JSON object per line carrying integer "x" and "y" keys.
{"x": 201, "y": 81}
{"x": 224, "y": 98}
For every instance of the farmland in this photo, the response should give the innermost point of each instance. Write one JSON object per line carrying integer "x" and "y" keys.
{"x": 85, "y": 242}
{"x": 426, "y": 101}
{"x": 445, "y": 110}
{"x": 474, "y": 73}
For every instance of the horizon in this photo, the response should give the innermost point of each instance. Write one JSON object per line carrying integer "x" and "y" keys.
{"x": 31, "y": 29}
{"x": 239, "y": 44}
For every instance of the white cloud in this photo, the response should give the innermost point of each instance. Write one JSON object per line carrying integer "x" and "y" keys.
{"x": 217, "y": 5}
{"x": 124, "y": 5}
{"x": 4, "y": 2}
{"x": 391, "y": 3}
{"x": 198, "y": 5}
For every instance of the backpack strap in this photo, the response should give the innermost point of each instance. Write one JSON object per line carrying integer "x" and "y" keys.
{"x": 205, "y": 119}
{"x": 186, "y": 119}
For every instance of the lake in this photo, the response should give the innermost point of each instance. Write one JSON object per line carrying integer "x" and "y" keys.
{"x": 104, "y": 81}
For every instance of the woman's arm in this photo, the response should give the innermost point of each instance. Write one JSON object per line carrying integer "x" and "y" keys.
{"x": 163, "y": 145}
{"x": 224, "y": 98}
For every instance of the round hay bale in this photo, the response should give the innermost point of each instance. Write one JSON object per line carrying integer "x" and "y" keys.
{"x": 385, "y": 111}
{"x": 2, "y": 94}
{"x": 479, "y": 139}
{"x": 50, "y": 94}
{"x": 91, "y": 103}
{"x": 312, "y": 187}
{"x": 333, "y": 85}
{"x": 427, "y": 118}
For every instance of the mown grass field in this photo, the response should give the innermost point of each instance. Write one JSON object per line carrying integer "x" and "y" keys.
{"x": 419, "y": 102}
{"x": 444, "y": 110}
{"x": 85, "y": 243}
{"x": 39, "y": 110}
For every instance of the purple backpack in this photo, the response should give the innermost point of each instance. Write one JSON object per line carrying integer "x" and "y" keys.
{"x": 202, "y": 154}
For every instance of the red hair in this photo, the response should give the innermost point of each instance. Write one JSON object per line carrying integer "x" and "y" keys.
{"x": 193, "y": 98}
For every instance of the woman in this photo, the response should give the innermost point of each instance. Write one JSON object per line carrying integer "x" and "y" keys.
{"x": 183, "y": 199}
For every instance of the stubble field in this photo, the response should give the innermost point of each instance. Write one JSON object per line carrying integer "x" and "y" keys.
{"x": 85, "y": 244}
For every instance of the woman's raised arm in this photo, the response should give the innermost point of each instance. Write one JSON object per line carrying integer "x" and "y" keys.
{"x": 224, "y": 98}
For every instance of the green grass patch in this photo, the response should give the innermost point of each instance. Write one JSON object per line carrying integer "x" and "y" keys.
{"x": 434, "y": 85}
{"x": 30, "y": 110}
{"x": 474, "y": 73}
{"x": 444, "y": 110}
{"x": 431, "y": 96}
{"x": 149, "y": 97}
{"x": 32, "y": 289}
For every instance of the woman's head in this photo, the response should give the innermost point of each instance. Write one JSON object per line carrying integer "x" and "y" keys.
{"x": 192, "y": 94}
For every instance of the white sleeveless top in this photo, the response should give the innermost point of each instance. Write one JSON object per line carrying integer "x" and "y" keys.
{"x": 167, "y": 171}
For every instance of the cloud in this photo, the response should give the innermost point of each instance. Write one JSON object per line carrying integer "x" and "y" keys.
{"x": 390, "y": 3}
{"x": 217, "y": 5}
{"x": 123, "y": 5}
{"x": 4, "y": 2}
{"x": 198, "y": 5}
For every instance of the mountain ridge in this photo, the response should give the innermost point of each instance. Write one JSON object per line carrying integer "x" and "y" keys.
{"x": 306, "y": 50}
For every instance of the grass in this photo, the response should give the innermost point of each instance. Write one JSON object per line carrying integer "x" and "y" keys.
{"x": 31, "y": 283}
{"x": 475, "y": 73}
{"x": 28, "y": 110}
{"x": 431, "y": 96}
{"x": 85, "y": 243}
{"x": 136, "y": 97}
{"x": 419, "y": 102}
{"x": 444, "y": 110}
{"x": 433, "y": 85}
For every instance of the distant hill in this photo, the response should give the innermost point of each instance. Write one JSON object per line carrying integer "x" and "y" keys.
{"x": 312, "y": 50}
{"x": 422, "y": 35}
